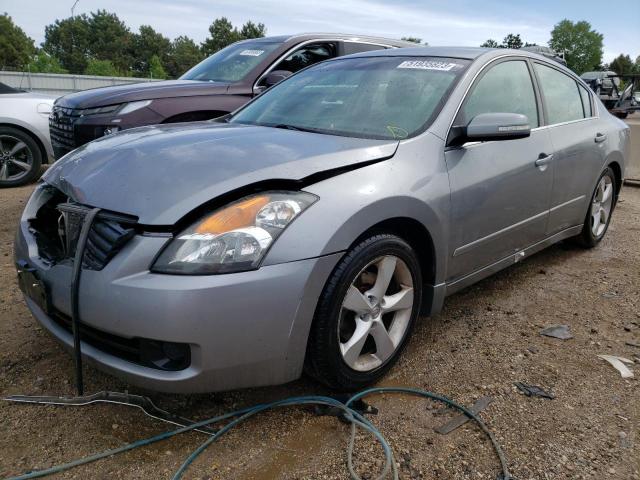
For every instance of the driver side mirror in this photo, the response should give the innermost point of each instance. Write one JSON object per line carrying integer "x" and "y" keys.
{"x": 276, "y": 76}
{"x": 491, "y": 126}
{"x": 270, "y": 79}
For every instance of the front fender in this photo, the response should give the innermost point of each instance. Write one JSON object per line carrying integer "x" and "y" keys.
{"x": 412, "y": 185}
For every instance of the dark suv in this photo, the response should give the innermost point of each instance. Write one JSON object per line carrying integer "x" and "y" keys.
{"x": 216, "y": 86}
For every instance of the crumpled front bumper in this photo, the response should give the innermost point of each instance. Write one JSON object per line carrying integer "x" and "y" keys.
{"x": 244, "y": 329}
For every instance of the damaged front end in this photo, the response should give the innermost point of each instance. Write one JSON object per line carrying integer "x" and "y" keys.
{"x": 55, "y": 221}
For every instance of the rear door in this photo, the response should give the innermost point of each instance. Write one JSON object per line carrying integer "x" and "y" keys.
{"x": 578, "y": 145}
{"x": 499, "y": 195}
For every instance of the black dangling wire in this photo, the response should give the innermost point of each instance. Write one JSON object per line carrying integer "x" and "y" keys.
{"x": 75, "y": 287}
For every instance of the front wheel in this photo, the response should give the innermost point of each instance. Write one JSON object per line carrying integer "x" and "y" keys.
{"x": 365, "y": 313}
{"x": 601, "y": 208}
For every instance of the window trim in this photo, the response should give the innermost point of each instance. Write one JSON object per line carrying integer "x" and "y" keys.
{"x": 586, "y": 89}
{"x": 480, "y": 75}
{"x": 579, "y": 82}
{"x": 307, "y": 42}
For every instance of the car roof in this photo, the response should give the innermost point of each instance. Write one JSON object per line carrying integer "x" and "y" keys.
{"x": 470, "y": 53}
{"x": 302, "y": 37}
{"x": 467, "y": 53}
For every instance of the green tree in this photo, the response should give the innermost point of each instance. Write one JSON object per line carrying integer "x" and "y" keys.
{"x": 16, "y": 48}
{"x": 42, "y": 62}
{"x": 622, "y": 64}
{"x": 412, "y": 39}
{"x": 68, "y": 40}
{"x": 222, "y": 33}
{"x": 184, "y": 54}
{"x": 491, "y": 43}
{"x": 582, "y": 46}
{"x": 252, "y": 30}
{"x": 103, "y": 68}
{"x": 147, "y": 44}
{"x": 155, "y": 68}
{"x": 636, "y": 65}
{"x": 111, "y": 40}
{"x": 512, "y": 41}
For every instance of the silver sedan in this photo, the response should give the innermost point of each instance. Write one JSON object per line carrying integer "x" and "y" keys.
{"x": 309, "y": 229}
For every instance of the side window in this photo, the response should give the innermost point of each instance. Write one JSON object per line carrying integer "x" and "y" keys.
{"x": 561, "y": 95}
{"x": 505, "y": 88}
{"x": 307, "y": 55}
{"x": 586, "y": 101}
{"x": 354, "y": 47}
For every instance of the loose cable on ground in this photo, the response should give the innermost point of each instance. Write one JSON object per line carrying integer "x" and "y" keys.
{"x": 349, "y": 414}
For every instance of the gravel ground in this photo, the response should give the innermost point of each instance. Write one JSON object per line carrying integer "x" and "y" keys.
{"x": 486, "y": 339}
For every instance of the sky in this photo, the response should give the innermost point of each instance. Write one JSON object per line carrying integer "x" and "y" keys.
{"x": 438, "y": 22}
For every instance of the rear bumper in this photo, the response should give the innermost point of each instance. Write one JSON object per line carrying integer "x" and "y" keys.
{"x": 244, "y": 329}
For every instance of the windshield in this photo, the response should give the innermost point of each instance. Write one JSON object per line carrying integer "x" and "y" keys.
{"x": 231, "y": 64}
{"x": 367, "y": 97}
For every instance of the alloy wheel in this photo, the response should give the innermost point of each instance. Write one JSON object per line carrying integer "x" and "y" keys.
{"x": 375, "y": 314}
{"x": 16, "y": 159}
{"x": 601, "y": 206}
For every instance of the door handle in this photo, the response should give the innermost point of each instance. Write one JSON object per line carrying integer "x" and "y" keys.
{"x": 543, "y": 160}
{"x": 600, "y": 137}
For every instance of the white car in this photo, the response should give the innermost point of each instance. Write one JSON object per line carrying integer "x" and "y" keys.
{"x": 24, "y": 135}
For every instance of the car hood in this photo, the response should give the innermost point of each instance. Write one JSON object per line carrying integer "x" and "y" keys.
{"x": 161, "y": 173}
{"x": 98, "y": 97}
{"x": 36, "y": 96}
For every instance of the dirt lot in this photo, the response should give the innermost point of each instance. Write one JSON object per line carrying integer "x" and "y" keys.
{"x": 486, "y": 339}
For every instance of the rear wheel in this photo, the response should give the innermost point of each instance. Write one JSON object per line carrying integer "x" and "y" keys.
{"x": 365, "y": 313}
{"x": 601, "y": 208}
{"x": 20, "y": 157}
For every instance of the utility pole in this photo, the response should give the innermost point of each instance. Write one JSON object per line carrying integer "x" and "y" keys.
{"x": 73, "y": 26}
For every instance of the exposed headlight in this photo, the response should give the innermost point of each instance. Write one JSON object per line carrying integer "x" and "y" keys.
{"x": 234, "y": 238}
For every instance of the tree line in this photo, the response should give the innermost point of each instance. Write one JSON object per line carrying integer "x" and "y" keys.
{"x": 581, "y": 45}
{"x": 102, "y": 44}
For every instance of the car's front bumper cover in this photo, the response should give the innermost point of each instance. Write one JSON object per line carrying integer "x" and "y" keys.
{"x": 244, "y": 329}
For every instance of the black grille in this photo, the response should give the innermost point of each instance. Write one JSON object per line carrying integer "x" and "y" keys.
{"x": 57, "y": 227}
{"x": 142, "y": 351}
{"x": 61, "y": 123}
{"x": 108, "y": 234}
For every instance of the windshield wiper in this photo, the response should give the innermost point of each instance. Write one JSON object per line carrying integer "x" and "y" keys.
{"x": 293, "y": 127}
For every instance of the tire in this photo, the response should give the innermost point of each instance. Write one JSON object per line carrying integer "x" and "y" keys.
{"x": 21, "y": 166}
{"x": 335, "y": 326}
{"x": 590, "y": 235}
{"x": 622, "y": 115}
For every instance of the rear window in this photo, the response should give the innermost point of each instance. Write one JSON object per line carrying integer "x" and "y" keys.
{"x": 561, "y": 95}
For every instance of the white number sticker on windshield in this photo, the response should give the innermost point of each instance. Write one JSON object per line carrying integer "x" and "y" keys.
{"x": 252, "y": 53}
{"x": 427, "y": 65}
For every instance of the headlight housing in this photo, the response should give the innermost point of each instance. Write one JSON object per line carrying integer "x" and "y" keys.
{"x": 234, "y": 238}
{"x": 123, "y": 108}
{"x": 97, "y": 110}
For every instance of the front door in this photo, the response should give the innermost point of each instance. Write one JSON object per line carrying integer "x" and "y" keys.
{"x": 500, "y": 190}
